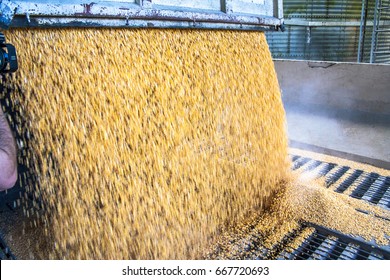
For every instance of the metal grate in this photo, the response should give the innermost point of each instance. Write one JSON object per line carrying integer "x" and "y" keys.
{"x": 368, "y": 186}
{"x": 326, "y": 244}
{"x": 306, "y": 242}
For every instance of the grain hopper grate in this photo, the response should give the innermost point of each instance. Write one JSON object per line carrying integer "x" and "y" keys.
{"x": 368, "y": 186}
{"x": 326, "y": 244}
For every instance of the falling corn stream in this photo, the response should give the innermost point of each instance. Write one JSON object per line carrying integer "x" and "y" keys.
{"x": 146, "y": 144}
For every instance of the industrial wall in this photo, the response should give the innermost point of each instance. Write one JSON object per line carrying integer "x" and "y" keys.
{"x": 328, "y": 31}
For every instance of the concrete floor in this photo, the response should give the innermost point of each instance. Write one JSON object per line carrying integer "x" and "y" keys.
{"x": 359, "y": 136}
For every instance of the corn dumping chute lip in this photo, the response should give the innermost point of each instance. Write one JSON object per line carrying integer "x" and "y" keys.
{"x": 120, "y": 14}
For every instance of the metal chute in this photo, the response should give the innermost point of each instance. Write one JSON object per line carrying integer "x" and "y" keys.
{"x": 205, "y": 14}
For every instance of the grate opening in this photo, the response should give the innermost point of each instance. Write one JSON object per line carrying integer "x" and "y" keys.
{"x": 299, "y": 162}
{"x": 382, "y": 193}
{"x": 326, "y": 244}
{"x": 311, "y": 165}
{"x": 349, "y": 181}
{"x": 326, "y": 168}
{"x": 277, "y": 251}
{"x": 374, "y": 189}
{"x": 337, "y": 251}
{"x": 362, "y": 255}
{"x": 294, "y": 157}
{"x": 332, "y": 178}
{"x": 364, "y": 185}
{"x": 308, "y": 247}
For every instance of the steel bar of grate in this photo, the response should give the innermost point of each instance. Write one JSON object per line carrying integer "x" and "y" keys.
{"x": 349, "y": 253}
{"x": 310, "y": 165}
{"x": 307, "y": 247}
{"x": 319, "y": 248}
{"x": 349, "y": 181}
{"x": 382, "y": 185}
{"x": 325, "y": 250}
{"x": 326, "y": 168}
{"x": 294, "y": 158}
{"x": 299, "y": 163}
{"x": 370, "y": 187}
{"x": 324, "y": 244}
{"x": 278, "y": 251}
{"x": 320, "y": 170}
{"x": 373, "y": 257}
{"x": 385, "y": 200}
{"x": 322, "y": 251}
{"x": 364, "y": 248}
{"x": 364, "y": 185}
{"x": 337, "y": 250}
{"x": 330, "y": 180}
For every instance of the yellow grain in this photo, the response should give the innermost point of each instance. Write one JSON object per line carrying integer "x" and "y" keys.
{"x": 147, "y": 143}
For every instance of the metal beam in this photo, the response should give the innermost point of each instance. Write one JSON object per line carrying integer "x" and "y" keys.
{"x": 295, "y": 22}
{"x": 362, "y": 30}
{"x": 373, "y": 38}
{"x": 141, "y": 13}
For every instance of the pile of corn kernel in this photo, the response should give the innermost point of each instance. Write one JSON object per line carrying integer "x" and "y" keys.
{"x": 145, "y": 144}
{"x": 304, "y": 198}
